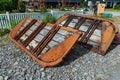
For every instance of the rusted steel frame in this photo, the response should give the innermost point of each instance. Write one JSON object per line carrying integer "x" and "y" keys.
{"x": 86, "y": 33}
{"x": 91, "y": 32}
{"x": 34, "y": 50}
{"x": 44, "y": 39}
{"x": 68, "y": 20}
{"x": 115, "y": 27}
{"x": 25, "y": 29}
{"x": 80, "y": 22}
{"x": 47, "y": 41}
{"x": 62, "y": 18}
{"x": 33, "y": 34}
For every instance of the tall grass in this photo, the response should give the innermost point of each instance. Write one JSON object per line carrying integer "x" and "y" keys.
{"x": 50, "y": 18}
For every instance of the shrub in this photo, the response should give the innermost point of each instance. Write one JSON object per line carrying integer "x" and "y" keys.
{"x": 117, "y": 7}
{"x": 82, "y": 3}
{"x": 49, "y": 18}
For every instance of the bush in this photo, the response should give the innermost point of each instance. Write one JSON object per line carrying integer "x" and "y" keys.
{"x": 49, "y": 18}
{"x": 82, "y": 3}
{"x": 117, "y": 7}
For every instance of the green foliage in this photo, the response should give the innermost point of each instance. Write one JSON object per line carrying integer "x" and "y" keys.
{"x": 10, "y": 5}
{"x": 43, "y": 9}
{"x": 22, "y": 7}
{"x": 4, "y": 31}
{"x": 15, "y": 4}
{"x": 49, "y": 18}
{"x": 14, "y": 23}
{"x": 117, "y": 7}
{"x": 82, "y": 3}
{"x": 7, "y": 5}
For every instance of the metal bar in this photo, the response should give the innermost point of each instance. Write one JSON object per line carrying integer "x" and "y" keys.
{"x": 84, "y": 36}
{"x": 25, "y": 29}
{"x": 80, "y": 22}
{"x": 47, "y": 41}
{"x": 68, "y": 20}
{"x": 91, "y": 32}
{"x": 42, "y": 41}
{"x": 33, "y": 34}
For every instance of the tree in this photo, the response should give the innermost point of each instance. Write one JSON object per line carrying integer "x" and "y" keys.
{"x": 8, "y": 5}
{"x": 15, "y": 4}
{"x": 22, "y": 6}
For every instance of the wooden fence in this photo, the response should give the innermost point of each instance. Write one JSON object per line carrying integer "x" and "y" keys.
{"x": 9, "y": 20}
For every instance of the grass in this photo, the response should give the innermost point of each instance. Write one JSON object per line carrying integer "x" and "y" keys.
{"x": 4, "y": 40}
{"x": 116, "y": 19}
{"x": 2, "y": 44}
{"x": 112, "y": 10}
{"x": 4, "y": 31}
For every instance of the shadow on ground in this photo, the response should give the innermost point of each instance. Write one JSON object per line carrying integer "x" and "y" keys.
{"x": 112, "y": 46}
{"x": 76, "y": 52}
{"x": 79, "y": 51}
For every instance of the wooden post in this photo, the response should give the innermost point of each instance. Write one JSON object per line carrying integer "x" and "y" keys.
{"x": 41, "y": 3}
{"x": 62, "y": 2}
{"x": 68, "y": 3}
{"x": 18, "y": 7}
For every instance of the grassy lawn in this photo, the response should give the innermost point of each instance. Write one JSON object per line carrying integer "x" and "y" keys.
{"x": 112, "y": 10}
{"x": 116, "y": 19}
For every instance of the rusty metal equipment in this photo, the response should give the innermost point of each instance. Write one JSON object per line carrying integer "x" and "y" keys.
{"x": 46, "y": 43}
{"x": 49, "y": 43}
{"x": 98, "y": 33}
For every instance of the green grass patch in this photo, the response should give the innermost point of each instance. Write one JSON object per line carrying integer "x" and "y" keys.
{"x": 116, "y": 19}
{"x": 112, "y": 10}
{"x": 4, "y": 31}
{"x": 2, "y": 44}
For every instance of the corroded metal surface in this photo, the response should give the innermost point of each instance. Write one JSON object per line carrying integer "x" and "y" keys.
{"x": 98, "y": 33}
{"x": 46, "y": 43}
{"x": 49, "y": 43}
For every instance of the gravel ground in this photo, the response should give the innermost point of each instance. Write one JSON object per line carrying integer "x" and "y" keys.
{"x": 80, "y": 64}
